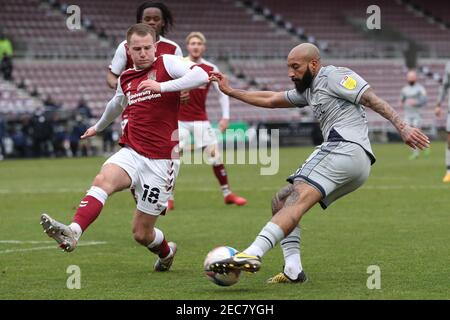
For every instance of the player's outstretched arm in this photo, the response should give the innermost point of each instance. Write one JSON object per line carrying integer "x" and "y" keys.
{"x": 413, "y": 137}
{"x": 185, "y": 76}
{"x": 263, "y": 99}
{"x": 194, "y": 78}
{"x": 113, "y": 109}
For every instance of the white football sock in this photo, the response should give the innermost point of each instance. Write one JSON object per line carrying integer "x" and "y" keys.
{"x": 269, "y": 236}
{"x": 291, "y": 253}
{"x": 225, "y": 190}
{"x": 159, "y": 237}
{"x": 75, "y": 227}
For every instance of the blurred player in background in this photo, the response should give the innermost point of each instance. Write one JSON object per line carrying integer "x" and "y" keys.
{"x": 442, "y": 93}
{"x": 158, "y": 16}
{"x": 413, "y": 99}
{"x": 337, "y": 167}
{"x": 148, "y": 160}
{"x": 193, "y": 118}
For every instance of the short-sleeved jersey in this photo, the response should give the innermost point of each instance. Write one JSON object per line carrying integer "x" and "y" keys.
{"x": 416, "y": 92}
{"x": 151, "y": 119}
{"x": 334, "y": 96}
{"x": 122, "y": 60}
{"x": 195, "y": 109}
{"x": 445, "y": 86}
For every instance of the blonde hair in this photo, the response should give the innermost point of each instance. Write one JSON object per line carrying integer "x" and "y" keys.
{"x": 196, "y": 34}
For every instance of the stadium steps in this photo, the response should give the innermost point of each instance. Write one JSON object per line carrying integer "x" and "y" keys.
{"x": 326, "y": 21}
{"x": 15, "y": 101}
{"x": 37, "y": 31}
{"x": 92, "y": 32}
{"x": 435, "y": 12}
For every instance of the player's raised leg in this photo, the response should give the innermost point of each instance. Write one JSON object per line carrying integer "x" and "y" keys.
{"x": 300, "y": 200}
{"x": 111, "y": 178}
{"x": 153, "y": 239}
{"x": 333, "y": 170}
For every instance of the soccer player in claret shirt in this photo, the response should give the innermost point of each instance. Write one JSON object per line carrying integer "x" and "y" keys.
{"x": 159, "y": 17}
{"x": 194, "y": 119}
{"x": 148, "y": 159}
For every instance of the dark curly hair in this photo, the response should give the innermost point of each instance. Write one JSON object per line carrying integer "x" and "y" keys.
{"x": 166, "y": 14}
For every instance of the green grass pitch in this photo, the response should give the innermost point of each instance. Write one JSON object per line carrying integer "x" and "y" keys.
{"x": 399, "y": 220}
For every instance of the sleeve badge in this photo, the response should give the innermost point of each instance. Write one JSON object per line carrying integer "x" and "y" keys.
{"x": 348, "y": 83}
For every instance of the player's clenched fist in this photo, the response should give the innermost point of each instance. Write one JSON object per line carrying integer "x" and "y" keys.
{"x": 89, "y": 133}
{"x": 149, "y": 84}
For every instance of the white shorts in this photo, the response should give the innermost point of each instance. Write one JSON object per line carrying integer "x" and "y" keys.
{"x": 152, "y": 179}
{"x": 204, "y": 134}
{"x": 334, "y": 169}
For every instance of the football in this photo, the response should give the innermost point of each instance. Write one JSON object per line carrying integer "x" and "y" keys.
{"x": 217, "y": 254}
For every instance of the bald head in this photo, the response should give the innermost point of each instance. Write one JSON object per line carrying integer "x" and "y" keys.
{"x": 411, "y": 77}
{"x": 305, "y": 51}
{"x": 303, "y": 64}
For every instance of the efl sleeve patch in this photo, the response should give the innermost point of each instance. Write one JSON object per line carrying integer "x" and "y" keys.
{"x": 348, "y": 83}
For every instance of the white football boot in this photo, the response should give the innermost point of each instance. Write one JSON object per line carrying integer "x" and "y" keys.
{"x": 61, "y": 233}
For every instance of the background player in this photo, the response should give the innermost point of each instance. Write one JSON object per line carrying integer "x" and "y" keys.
{"x": 442, "y": 93}
{"x": 193, "y": 118}
{"x": 413, "y": 98}
{"x": 158, "y": 16}
{"x": 147, "y": 160}
{"x": 337, "y": 167}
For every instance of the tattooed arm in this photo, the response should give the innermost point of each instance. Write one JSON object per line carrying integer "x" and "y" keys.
{"x": 410, "y": 135}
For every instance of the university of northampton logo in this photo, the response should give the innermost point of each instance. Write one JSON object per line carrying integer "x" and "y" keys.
{"x": 152, "y": 75}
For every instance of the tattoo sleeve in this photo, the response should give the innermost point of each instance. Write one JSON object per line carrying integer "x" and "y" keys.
{"x": 372, "y": 101}
{"x": 280, "y": 198}
{"x": 292, "y": 199}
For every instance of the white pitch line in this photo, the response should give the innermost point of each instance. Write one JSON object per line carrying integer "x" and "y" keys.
{"x": 24, "y": 242}
{"x": 87, "y": 243}
{"x": 34, "y": 191}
